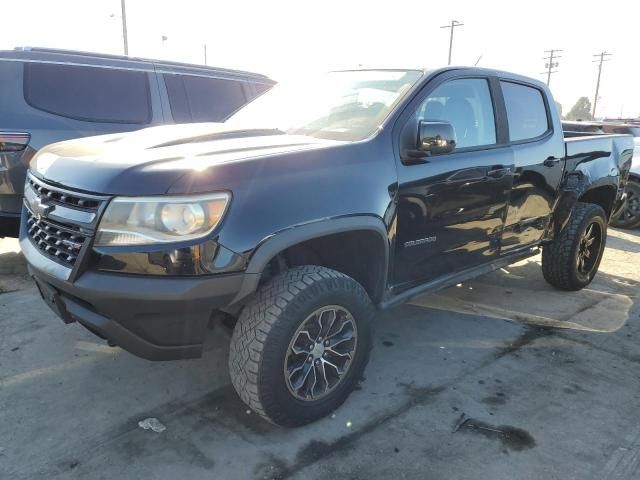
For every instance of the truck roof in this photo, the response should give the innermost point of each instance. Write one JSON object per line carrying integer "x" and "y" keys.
{"x": 430, "y": 70}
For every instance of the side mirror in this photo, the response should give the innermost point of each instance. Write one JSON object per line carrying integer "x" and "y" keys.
{"x": 436, "y": 137}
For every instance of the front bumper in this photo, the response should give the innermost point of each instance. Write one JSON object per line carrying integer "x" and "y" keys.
{"x": 157, "y": 318}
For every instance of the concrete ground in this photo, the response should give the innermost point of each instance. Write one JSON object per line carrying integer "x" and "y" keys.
{"x": 464, "y": 384}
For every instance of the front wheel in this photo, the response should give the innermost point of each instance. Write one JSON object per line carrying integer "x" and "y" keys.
{"x": 629, "y": 215}
{"x": 572, "y": 259}
{"x": 301, "y": 344}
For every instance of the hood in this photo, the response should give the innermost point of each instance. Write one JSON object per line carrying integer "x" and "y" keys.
{"x": 149, "y": 161}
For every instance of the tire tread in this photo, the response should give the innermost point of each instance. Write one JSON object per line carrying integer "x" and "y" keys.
{"x": 257, "y": 322}
{"x": 558, "y": 255}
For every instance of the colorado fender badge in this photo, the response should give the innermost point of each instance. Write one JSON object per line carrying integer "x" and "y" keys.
{"x": 420, "y": 241}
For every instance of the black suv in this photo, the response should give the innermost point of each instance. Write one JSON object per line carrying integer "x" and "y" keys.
{"x": 53, "y": 95}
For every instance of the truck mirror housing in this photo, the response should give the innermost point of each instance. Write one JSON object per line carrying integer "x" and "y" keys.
{"x": 436, "y": 137}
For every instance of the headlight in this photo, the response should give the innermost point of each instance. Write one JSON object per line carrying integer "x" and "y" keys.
{"x": 151, "y": 220}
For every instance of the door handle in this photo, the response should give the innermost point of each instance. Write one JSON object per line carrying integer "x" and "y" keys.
{"x": 551, "y": 161}
{"x": 498, "y": 172}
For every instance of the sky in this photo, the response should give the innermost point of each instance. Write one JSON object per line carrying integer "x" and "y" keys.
{"x": 283, "y": 38}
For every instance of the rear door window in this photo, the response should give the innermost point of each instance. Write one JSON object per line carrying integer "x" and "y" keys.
{"x": 203, "y": 99}
{"x": 102, "y": 95}
{"x": 526, "y": 111}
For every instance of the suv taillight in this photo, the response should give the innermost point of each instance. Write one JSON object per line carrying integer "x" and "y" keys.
{"x": 13, "y": 141}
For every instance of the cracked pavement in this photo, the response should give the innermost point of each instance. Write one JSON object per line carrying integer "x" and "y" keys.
{"x": 502, "y": 377}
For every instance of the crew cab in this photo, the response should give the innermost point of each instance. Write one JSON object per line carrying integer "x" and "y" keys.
{"x": 308, "y": 209}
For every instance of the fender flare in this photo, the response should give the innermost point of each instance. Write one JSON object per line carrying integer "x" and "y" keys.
{"x": 576, "y": 186}
{"x": 268, "y": 248}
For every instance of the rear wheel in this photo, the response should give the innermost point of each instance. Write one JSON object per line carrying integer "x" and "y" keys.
{"x": 572, "y": 259}
{"x": 300, "y": 346}
{"x": 629, "y": 215}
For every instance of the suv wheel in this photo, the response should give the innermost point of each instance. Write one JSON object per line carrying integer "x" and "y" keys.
{"x": 301, "y": 344}
{"x": 629, "y": 216}
{"x": 572, "y": 259}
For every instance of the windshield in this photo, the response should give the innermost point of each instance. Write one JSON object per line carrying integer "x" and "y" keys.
{"x": 347, "y": 105}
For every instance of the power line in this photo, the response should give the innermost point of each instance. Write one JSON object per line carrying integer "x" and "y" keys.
{"x": 600, "y": 59}
{"x": 550, "y": 64}
{"x": 452, "y": 26}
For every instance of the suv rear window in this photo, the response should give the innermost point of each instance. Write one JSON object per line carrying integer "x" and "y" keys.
{"x": 203, "y": 99}
{"x": 91, "y": 94}
{"x": 526, "y": 111}
{"x": 260, "y": 88}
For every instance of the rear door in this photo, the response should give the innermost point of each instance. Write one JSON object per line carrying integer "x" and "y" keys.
{"x": 539, "y": 163}
{"x": 451, "y": 207}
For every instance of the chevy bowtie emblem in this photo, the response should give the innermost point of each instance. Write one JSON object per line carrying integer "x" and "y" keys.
{"x": 41, "y": 210}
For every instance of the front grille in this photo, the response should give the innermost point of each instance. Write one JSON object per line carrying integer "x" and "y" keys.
{"x": 60, "y": 222}
{"x": 57, "y": 241}
{"x": 64, "y": 198}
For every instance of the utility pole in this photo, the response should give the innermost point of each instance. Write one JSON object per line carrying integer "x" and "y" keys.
{"x": 550, "y": 65}
{"x": 124, "y": 27}
{"x": 452, "y": 26}
{"x": 600, "y": 59}
{"x": 205, "y": 53}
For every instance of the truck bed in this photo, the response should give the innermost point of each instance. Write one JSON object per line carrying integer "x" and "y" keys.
{"x": 598, "y": 160}
{"x": 603, "y": 152}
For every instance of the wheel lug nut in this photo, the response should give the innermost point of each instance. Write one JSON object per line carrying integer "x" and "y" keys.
{"x": 326, "y": 344}
{"x": 318, "y": 362}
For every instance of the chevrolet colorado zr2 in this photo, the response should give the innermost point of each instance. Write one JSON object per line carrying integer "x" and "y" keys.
{"x": 310, "y": 208}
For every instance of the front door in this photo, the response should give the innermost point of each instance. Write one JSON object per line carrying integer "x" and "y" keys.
{"x": 451, "y": 209}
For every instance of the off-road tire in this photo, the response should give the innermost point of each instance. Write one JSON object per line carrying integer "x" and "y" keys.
{"x": 266, "y": 325}
{"x": 559, "y": 257}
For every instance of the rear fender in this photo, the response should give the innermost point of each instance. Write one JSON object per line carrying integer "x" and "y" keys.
{"x": 577, "y": 186}
{"x": 571, "y": 189}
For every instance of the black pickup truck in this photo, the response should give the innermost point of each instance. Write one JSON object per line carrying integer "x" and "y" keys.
{"x": 308, "y": 208}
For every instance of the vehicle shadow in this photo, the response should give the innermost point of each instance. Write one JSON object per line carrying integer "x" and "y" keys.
{"x": 519, "y": 293}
